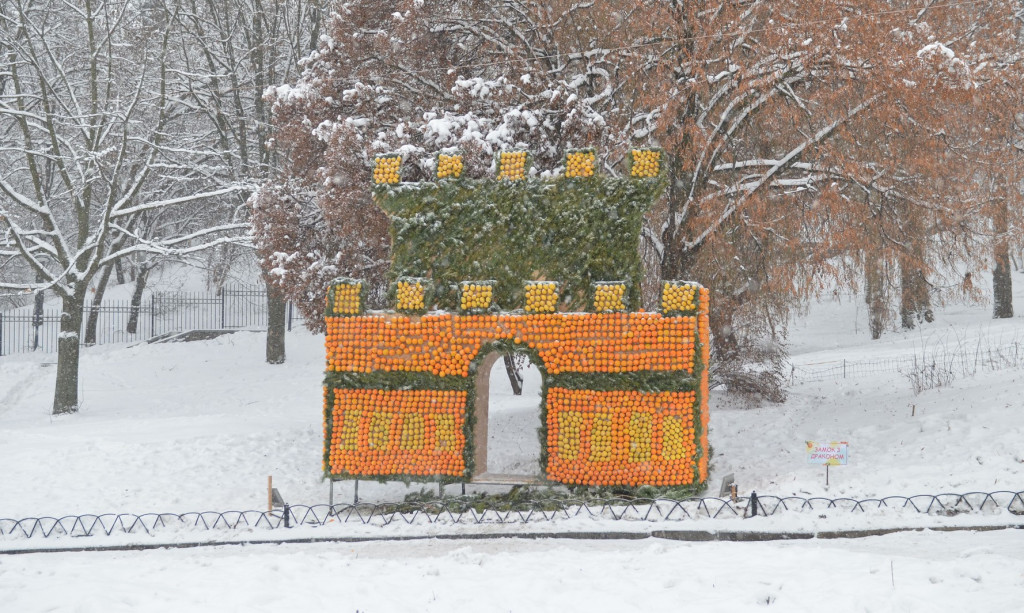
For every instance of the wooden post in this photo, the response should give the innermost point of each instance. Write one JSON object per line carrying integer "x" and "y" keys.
{"x": 270, "y": 493}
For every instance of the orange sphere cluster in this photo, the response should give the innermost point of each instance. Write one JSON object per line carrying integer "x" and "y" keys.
{"x": 541, "y": 296}
{"x": 475, "y": 296}
{"x": 410, "y": 295}
{"x": 646, "y": 163}
{"x": 345, "y": 298}
{"x": 621, "y": 437}
{"x": 512, "y": 165}
{"x": 386, "y": 170}
{"x": 445, "y": 344}
{"x": 449, "y": 166}
{"x": 580, "y": 164}
{"x": 383, "y": 432}
{"x": 678, "y": 297}
{"x": 609, "y": 297}
{"x": 609, "y": 342}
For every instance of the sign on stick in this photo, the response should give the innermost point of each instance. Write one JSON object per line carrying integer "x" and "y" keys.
{"x": 829, "y": 454}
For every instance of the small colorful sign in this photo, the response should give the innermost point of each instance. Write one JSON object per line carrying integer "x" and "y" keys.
{"x": 830, "y": 454}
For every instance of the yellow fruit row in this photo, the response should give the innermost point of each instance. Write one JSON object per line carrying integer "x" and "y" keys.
{"x": 641, "y": 427}
{"x": 386, "y": 170}
{"x": 449, "y": 166}
{"x": 410, "y": 295}
{"x": 609, "y": 298}
{"x": 346, "y": 298}
{"x": 570, "y": 424}
{"x": 678, "y": 297}
{"x": 512, "y": 165}
{"x": 676, "y": 438}
{"x": 646, "y": 163}
{"x": 476, "y": 296}
{"x": 541, "y": 297}
{"x": 601, "y": 439}
{"x": 580, "y": 164}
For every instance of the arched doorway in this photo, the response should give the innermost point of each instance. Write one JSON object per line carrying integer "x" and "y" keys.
{"x": 508, "y": 447}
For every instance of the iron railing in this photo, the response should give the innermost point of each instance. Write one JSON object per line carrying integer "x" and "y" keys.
{"x": 461, "y": 511}
{"x": 161, "y": 313}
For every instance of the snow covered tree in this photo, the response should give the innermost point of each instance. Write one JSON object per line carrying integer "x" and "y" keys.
{"x": 431, "y": 75}
{"x": 817, "y": 130}
{"x": 84, "y": 153}
{"x": 230, "y": 51}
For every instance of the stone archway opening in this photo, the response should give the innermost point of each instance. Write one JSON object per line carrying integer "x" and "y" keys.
{"x": 506, "y": 432}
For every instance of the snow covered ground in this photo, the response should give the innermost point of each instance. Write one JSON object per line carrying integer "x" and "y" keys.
{"x": 200, "y": 426}
{"x": 897, "y": 573}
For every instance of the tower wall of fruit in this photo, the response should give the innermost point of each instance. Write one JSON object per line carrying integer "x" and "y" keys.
{"x": 624, "y": 391}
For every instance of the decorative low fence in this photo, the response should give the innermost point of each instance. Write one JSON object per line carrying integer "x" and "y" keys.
{"x": 459, "y": 511}
{"x": 158, "y": 314}
{"x": 938, "y": 364}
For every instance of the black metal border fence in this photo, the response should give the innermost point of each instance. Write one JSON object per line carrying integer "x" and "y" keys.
{"x": 160, "y": 313}
{"x": 461, "y": 512}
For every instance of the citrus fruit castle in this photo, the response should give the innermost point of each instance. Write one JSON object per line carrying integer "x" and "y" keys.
{"x": 544, "y": 266}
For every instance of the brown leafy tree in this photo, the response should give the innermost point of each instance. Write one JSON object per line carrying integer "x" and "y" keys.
{"x": 808, "y": 143}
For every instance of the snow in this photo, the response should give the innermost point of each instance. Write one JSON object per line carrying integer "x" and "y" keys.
{"x": 904, "y": 573}
{"x": 936, "y": 48}
{"x": 199, "y": 427}
{"x": 288, "y": 94}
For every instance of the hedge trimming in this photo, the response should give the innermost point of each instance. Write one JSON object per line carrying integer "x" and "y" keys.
{"x": 577, "y": 231}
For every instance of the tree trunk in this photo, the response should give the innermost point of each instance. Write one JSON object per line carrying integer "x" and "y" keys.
{"x": 874, "y": 294}
{"x": 915, "y": 303}
{"x": 37, "y": 313}
{"x": 277, "y": 309}
{"x": 65, "y": 396}
{"x": 97, "y": 302}
{"x": 140, "y": 287}
{"x": 515, "y": 378}
{"x": 1002, "y": 284}
{"x": 119, "y": 269}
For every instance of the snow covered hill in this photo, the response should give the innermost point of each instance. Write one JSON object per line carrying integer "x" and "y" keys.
{"x": 199, "y": 426}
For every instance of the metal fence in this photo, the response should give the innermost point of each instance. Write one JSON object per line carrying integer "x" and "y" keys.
{"x": 159, "y": 314}
{"x": 462, "y": 511}
{"x": 962, "y": 360}
{"x": 848, "y": 369}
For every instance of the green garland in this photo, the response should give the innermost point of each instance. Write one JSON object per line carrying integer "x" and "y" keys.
{"x": 579, "y": 231}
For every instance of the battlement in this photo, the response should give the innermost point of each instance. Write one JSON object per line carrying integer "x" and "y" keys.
{"x": 515, "y": 165}
{"x": 419, "y": 296}
{"x": 580, "y": 227}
